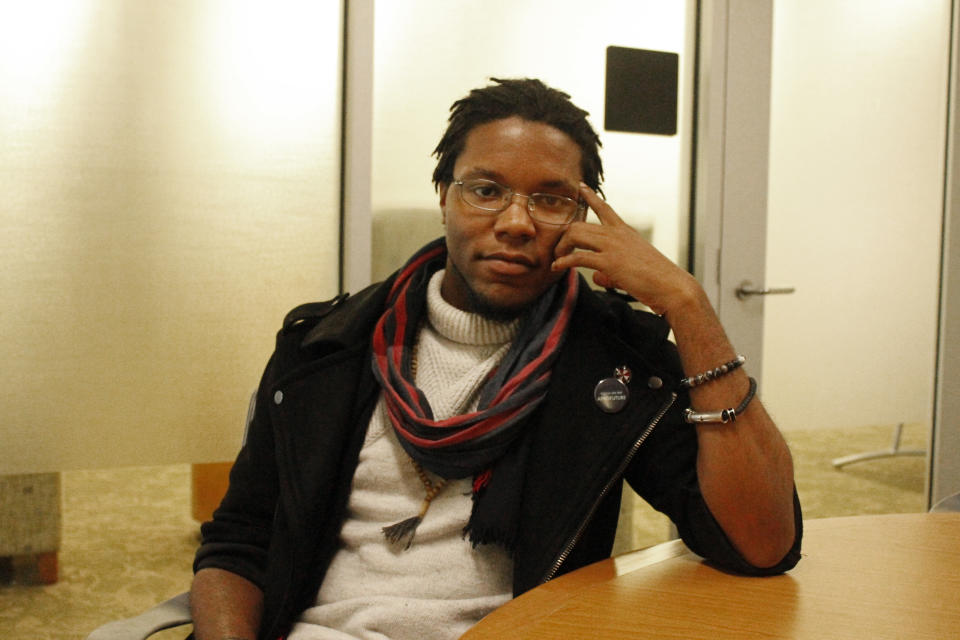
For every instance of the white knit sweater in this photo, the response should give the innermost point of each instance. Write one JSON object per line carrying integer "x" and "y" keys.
{"x": 440, "y": 586}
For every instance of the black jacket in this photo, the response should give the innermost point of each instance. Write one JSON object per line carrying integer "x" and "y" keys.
{"x": 279, "y": 522}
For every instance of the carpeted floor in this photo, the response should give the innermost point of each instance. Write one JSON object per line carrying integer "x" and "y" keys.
{"x": 128, "y": 539}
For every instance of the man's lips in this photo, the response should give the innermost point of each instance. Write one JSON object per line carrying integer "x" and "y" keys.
{"x": 517, "y": 258}
{"x": 509, "y": 263}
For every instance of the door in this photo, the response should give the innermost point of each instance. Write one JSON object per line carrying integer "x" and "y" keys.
{"x": 730, "y": 188}
{"x": 849, "y": 213}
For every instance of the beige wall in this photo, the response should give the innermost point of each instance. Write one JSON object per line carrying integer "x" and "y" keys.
{"x": 169, "y": 177}
{"x": 856, "y": 186}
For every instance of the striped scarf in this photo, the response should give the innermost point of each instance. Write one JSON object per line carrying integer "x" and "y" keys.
{"x": 486, "y": 443}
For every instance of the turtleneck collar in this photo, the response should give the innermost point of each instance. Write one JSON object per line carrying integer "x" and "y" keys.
{"x": 462, "y": 326}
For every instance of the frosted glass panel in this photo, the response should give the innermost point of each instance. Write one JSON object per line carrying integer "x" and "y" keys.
{"x": 857, "y": 144}
{"x": 169, "y": 173}
{"x": 423, "y": 64}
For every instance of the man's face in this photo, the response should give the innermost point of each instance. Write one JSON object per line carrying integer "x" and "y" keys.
{"x": 498, "y": 263}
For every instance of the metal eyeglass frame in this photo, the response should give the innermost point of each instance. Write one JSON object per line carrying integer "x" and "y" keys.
{"x": 531, "y": 207}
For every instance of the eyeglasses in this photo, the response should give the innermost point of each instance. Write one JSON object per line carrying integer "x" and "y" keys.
{"x": 492, "y": 197}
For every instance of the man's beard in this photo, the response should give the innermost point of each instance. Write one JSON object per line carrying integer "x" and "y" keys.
{"x": 486, "y": 307}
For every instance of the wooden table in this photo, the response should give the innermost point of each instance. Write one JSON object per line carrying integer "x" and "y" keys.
{"x": 890, "y": 576}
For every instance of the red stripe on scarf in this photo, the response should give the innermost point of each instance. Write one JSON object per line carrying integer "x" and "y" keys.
{"x": 481, "y": 428}
{"x": 398, "y": 308}
{"x": 456, "y": 421}
{"x": 400, "y": 315}
{"x": 404, "y": 276}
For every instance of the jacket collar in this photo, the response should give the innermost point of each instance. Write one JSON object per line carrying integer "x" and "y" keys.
{"x": 351, "y": 322}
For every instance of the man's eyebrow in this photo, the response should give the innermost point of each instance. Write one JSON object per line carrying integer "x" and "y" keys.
{"x": 559, "y": 183}
{"x": 477, "y": 172}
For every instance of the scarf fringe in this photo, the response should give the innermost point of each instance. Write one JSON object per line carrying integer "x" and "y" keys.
{"x": 489, "y": 535}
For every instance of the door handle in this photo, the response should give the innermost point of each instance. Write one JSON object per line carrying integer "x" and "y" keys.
{"x": 746, "y": 290}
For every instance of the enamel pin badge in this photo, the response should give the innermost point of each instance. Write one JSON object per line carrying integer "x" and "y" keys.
{"x": 612, "y": 394}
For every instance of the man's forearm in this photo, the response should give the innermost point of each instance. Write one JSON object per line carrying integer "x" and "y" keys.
{"x": 746, "y": 477}
{"x": 225, "y": 606}
{"x": 744, "y": 467}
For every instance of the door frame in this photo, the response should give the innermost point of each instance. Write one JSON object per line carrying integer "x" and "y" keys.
{"x": 944, "y": 456}
{"x": 732, "y": 134}
{"x": 356, "y": 144}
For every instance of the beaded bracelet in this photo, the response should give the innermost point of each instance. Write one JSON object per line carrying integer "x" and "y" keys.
{"x": 724, "y": 416}
{"x": 712, "y": 374}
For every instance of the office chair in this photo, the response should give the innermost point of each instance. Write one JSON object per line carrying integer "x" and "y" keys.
{"x": 892, "y": 452}
{"x": 171, "y": 613}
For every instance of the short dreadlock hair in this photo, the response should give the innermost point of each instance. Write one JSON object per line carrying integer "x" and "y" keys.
{"x": 529, "y": 99}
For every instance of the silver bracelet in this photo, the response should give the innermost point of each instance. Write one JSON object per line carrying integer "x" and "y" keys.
{"x": 724, "y": 416}
{"x": 712, "y": 374}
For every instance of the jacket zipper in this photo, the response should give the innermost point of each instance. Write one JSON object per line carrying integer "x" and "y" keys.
{"x": 606, "y": 489}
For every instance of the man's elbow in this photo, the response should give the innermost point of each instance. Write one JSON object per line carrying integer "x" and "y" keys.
{"x": 768, "y": 556}
{"x": 774, "y": 549}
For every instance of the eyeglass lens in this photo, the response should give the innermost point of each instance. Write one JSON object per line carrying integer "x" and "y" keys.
{"x": 494, "y": 197}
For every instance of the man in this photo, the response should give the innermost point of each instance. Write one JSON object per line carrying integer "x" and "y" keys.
{"x": 429, "y": 448}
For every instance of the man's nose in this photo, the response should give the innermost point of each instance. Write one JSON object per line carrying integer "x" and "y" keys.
{"x": 516, "y": 219}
